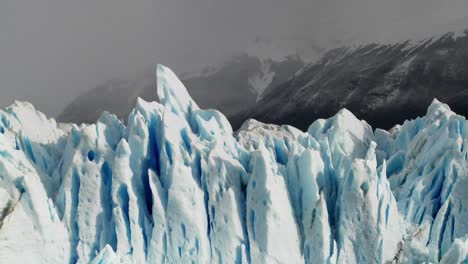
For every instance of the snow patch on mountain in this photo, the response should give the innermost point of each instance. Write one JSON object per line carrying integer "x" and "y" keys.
{"x": 268, "y": 55}
{"x": 261, "y": 81}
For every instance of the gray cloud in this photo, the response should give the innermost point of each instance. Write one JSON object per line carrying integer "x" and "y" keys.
{"x": 53, "y": 50}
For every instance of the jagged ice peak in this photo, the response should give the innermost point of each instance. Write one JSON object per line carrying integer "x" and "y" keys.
{"x": 177, "y": 185}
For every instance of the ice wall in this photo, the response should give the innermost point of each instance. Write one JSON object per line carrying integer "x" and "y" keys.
{"x": 176, "y": 185}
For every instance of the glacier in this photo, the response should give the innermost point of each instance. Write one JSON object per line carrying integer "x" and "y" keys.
{"x": 177, "y": 185}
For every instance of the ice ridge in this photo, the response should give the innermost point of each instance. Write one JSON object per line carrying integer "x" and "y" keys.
{"x": 177, "y": 185}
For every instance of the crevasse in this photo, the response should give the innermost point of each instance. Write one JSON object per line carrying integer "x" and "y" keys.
{"x": 176, "y": 185}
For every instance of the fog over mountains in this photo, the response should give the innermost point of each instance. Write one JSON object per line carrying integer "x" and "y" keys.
{"x": 384, "y": 83}
{"x": 233, "y": 86}
{"x": 53, "y": 51}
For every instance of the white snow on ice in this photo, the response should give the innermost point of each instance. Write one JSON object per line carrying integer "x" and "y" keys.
{"x": 176, "y": 185}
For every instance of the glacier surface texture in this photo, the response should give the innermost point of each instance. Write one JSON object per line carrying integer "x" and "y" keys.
{"x": 177, "y": 185}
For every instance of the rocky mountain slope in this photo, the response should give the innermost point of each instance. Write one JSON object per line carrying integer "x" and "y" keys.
{"x": 384, "y": 84}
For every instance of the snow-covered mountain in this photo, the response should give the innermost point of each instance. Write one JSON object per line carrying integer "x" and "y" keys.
{"x": 176, "y": 185}
{"x": 383, "y": 83}
{"x": 231, "y": 87}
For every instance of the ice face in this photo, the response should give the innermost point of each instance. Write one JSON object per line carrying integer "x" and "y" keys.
{"x": 427, "y": 173}
{"x": 176, "y": 185}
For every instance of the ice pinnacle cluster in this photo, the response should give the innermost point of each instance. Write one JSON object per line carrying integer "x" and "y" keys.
{"x": 177, "y": 185}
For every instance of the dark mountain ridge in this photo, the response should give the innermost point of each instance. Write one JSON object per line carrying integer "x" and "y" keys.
{"x": 384, "y": 84}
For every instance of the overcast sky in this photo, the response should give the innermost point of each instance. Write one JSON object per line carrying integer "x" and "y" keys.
{"x": 53, "y": 50}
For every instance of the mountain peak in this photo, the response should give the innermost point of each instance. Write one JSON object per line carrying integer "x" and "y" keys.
{"x": 266, "y": 51}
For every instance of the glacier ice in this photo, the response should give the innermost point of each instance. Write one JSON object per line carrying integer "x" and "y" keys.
{"x": 177, "y": 185}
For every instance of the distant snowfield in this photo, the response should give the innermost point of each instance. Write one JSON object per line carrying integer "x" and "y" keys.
{"x": 177, "y": 185}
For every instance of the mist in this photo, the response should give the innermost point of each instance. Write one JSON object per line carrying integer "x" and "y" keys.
{"x": 53, "y": 50}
